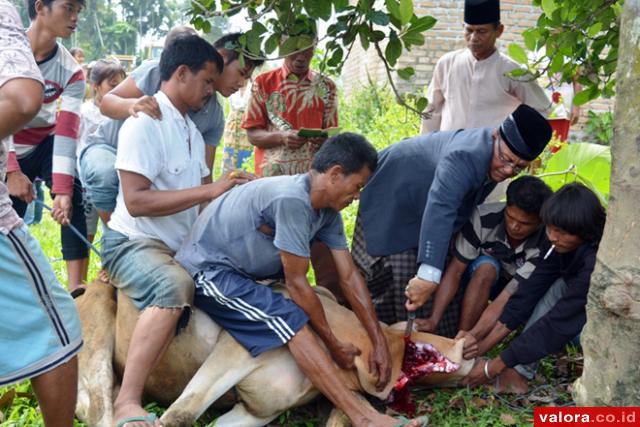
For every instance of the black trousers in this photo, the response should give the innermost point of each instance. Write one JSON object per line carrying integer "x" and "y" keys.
{"x": 39, "y": 164}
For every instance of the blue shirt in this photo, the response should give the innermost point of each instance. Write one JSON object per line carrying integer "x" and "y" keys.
{"x": 209, "y": 119}
{"x": 226, "y": 235}
{"x": 423, "y": 190}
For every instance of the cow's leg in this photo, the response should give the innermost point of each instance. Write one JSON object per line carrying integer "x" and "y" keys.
{"x": 239, "y": 416}
{"x": 97, "y": 310}
{"x": 227, "y": 364}
{"x": 338, "y": 418}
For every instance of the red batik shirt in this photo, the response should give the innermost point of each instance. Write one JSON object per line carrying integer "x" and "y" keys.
{"x": 280, "y": 100}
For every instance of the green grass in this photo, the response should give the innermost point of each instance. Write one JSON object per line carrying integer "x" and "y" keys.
{"x": 447, "y": 407}
{"x": 372, "y": 113}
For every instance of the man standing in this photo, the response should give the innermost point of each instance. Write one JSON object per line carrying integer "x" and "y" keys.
{"x": 283, "y": 101}
{"x": 39, "y": 324}
{"x": 423, "y": 191}
{"x": 470, "y": 87}
{"x": 264, "y": 230}
{"x": 46, "y": 147}
{"x": 161, "y": 164}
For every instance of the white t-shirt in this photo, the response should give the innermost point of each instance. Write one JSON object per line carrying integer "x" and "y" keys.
{"x": 90, "y": 119}
{"x": 170, "y": 154}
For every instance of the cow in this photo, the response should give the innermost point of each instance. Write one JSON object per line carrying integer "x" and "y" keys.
{"x": 205, "y": 365}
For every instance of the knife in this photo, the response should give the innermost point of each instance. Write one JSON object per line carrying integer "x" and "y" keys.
{"x": 410, "y": 318}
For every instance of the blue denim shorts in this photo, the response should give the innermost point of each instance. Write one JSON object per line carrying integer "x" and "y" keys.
{"x": 146, "y": 271}
{"x": 496, "y": 286}
{"x": 99, "y": 176}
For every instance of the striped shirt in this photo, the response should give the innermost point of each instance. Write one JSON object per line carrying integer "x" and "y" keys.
{"x": 485, "y": 234}
{"x": 59, "y": 115}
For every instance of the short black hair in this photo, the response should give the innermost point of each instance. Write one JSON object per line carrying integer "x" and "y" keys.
{"x": 528, "y": 193}
{"x": 31, "y": 6}
{"x": 349, "y": 150}
{"x": 577, "y": 210}
{"x": 192, "y": 51}
{"x": 231, "y": 44}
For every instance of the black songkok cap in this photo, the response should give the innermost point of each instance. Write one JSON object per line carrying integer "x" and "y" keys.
{"x": 526, "y": 132}
{"x": 478, "y": 12}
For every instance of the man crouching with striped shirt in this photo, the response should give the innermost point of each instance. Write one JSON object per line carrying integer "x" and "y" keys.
{"x": 498, "y": 248}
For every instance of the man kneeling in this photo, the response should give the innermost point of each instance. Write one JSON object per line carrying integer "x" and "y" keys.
{"x": 264, "y": 230}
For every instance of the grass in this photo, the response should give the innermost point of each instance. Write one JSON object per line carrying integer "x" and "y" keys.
{"x": 447, "y": 407}
{"x": 374, "y": 114}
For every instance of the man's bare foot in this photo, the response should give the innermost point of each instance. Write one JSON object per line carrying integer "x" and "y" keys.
{"x": 136, "y": 413}
{"x": 511, "y": 382}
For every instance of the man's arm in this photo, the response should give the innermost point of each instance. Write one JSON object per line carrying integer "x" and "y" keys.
{"x": 355, "y": 291}
{"x": 300, "y": 291}
{"x": 126, "y": 100}
{"x": 64, "y": 147}
{"x": 436, "y": 102}
{"x": 141, "y": 200}
{"x": 455, "y": 176}
{"x": 210, "y": 159}
{"x": 445, "y": 293}
{"x": 263, "y": 138}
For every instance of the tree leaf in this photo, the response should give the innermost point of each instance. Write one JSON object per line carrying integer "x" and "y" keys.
{"x": 422, "y": 24}
{"x": 585, "y": 96}
{"x": 394, "y": 9}
{"x": 393, "y": 49}
{"x": 549, "y": 6}
{"x": 421, "y": 103}
{"x": 289, "y": 45}
{"x": 272, "y": 43}
{"x": 379, "y": 18}
{"x": 413, "y": 38}
{"x": 340, "y": 5}
{"x": 315, "y": 8}
{"x": 406, "y": 11}
{"x": 594, "y": 29}
{"x": 531, "y": 37}
{"x": 376, "y": 36}
{"x": 406, "y": 73}
{"x": 363, "y": 32}
{"x": 556, "y": 64}
{"x": 517, "y": 53}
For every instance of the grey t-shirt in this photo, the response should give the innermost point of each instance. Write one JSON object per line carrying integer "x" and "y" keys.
{"x": 209, "y": 119}
{"x": 226, "y": 235}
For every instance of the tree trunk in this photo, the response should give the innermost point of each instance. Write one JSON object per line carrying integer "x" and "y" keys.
{"x": 611, "y": 338}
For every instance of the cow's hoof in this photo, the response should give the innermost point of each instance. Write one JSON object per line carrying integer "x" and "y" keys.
{"x": 337, "y": 418}
{"x": 177, "y": 418}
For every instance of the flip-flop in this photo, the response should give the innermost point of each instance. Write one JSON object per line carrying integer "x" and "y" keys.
{"x": 403, "y": 421}
{"x": 150, "y": 418}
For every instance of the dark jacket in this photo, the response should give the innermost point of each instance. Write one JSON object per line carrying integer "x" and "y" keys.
{"x": 565, "y": 319}
{"x": 423, "y": 190}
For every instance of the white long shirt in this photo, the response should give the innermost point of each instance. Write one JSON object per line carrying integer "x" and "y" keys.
{"x": 466, "y": 93}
